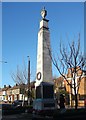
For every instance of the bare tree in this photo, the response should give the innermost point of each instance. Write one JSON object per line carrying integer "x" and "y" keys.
{"x": 72, "y": 58}
{"x": 20, "y": 76}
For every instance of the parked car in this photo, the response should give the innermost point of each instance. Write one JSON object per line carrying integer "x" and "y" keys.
{"x": 6, "y": 109}
{"x": 11, "y": 109}
{"x": 17, "y": 103}
{"x": 20, "y": 103}
{"x": 5, "y": 106}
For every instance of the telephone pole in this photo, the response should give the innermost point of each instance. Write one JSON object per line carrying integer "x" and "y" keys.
{"x": 28, "y": 82}
{"x": 3, "y": 61}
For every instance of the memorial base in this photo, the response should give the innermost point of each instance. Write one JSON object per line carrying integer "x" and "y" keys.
{"x": 44, "y": 98}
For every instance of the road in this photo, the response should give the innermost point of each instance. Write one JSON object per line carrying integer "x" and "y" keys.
{"x": 22, "y": 116}
{"x": 27, "y": 116}
{"x": 0, "y": 114}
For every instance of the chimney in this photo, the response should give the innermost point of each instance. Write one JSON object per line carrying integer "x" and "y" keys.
{"x": 4, "y": 86}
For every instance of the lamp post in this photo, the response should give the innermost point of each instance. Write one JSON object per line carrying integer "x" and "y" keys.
{"x": 3, "y": 61}
{"x": 1, "y": 75}
{"x": 28, "y": 83}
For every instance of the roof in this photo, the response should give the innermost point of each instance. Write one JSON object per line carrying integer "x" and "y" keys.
{"x": 4, "y": 89}
{"x": 18, "y": 86}
{"x": 59, "y": 79}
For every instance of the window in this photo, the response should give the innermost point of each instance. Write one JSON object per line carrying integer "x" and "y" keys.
{"x": 82, "y": 97}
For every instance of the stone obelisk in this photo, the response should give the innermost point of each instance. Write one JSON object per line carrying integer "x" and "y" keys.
{"x": 44, "y": 64}
{"x": 44, "y": 100}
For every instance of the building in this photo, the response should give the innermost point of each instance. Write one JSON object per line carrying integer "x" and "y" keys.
{"x": 4, "y": 93}
{"x": 61, "y": 83}
{"x": 9, "y": 94}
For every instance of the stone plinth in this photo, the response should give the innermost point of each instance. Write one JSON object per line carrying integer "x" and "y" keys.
{"x": 45, "y": 91}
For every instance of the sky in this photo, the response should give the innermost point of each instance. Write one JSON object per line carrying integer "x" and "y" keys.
{"x": 20, "y": 26}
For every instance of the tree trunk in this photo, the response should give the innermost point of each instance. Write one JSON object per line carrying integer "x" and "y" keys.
{"x": 76, "y": 102}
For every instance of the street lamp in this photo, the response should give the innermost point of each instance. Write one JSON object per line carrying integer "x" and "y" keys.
{"x": 3, "y": 61}
{"x": 28, "y": 71}
{"x": 28, "y": 83}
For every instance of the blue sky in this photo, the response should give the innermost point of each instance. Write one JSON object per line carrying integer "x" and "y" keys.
{"x": 20, "y": 28}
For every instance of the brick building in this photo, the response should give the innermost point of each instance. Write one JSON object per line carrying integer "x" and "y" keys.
{"x": 80, "y": 82}
{"x": 17, "y": 92}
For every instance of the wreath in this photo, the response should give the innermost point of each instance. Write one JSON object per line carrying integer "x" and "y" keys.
{"x": 38, "y": 75}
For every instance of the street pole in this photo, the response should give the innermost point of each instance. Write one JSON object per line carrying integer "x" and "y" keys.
{"x": 3, "y": 61}
{"x": 28, "y": 83}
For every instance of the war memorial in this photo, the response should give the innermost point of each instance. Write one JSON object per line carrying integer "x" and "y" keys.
{"x": 44, "y": 86}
